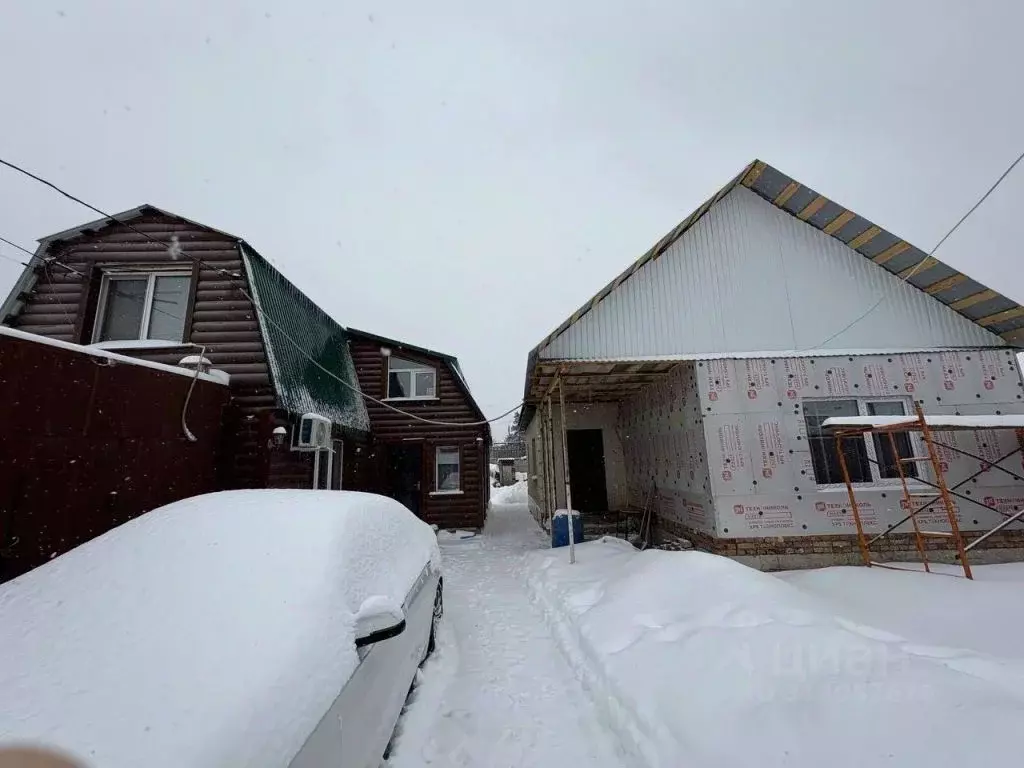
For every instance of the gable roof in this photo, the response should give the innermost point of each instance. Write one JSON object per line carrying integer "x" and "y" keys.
{"x": 27, "y": 279}
{"x": 285, "y": 315}
{"x": 453, "y": 363}
{"x": 978, "y": 303}
{"x": 302, "y": 341}
{"x": 125, "y": 217}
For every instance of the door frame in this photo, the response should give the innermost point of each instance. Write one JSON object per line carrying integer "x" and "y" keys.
{"x": 604, "y": 466}
{"x": 391, "y": 448}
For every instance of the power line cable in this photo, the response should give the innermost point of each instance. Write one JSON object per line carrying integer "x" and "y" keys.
{"x": 921, "y": 263}
{"x": 12, "y": 259}
{"x": 258, "y": 309}
{"x": 46, "y": 261}
{"x": 15, "y": 245}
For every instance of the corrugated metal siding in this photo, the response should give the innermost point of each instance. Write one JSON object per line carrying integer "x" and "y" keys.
{"x": 750, "y": 277}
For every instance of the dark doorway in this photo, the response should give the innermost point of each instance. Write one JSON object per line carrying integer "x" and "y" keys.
{"x": 405, "y": 475}
{"x": 586, "y": 470}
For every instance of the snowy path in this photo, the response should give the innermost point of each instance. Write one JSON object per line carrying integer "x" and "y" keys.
{"x": 499, "y": 693}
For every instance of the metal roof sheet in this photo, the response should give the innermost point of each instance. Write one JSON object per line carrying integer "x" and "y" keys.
{"x": 1002, "y": 316}
{"x": 821, "y": 213}
{"x": 307, "y": 351}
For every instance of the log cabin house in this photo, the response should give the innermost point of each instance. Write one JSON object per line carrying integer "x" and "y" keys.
{"x": 156, "y": 286}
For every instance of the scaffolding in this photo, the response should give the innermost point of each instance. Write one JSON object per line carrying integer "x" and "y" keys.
{"x": 916, "y": 501}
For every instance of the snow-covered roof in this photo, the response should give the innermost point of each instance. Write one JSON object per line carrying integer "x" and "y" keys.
{"x": 939, "y": 422}
{"x": 218, "y": 378}
{"x": 307, "y": 350}
{"x": 214, "y": 631}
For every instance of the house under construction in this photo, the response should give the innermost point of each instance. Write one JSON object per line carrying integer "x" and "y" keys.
{"x": 698, "y": 382}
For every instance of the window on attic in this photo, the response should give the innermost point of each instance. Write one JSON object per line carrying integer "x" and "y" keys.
{"x": 409, "y": 380}
{"x": 142, "y": 305}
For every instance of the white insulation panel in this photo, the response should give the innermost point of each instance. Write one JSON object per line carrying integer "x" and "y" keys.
{"x": 725, "y": 441}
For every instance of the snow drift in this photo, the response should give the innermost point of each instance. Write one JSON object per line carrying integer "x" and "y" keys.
{"x": 704, "y": 662}
{"x": 214, "y": 631}
{"x": 511, "y": 494}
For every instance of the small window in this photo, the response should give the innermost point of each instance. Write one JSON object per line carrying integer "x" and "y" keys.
{"x": 408, "y": 380}
{"x": 139, "y": 305}
{"x": 447, "y": 470}
{"x": 822, "y": 443}
{"x": 887, "y": 467}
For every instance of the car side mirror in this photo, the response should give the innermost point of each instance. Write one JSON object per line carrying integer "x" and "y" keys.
{"x": 379, "y": 618}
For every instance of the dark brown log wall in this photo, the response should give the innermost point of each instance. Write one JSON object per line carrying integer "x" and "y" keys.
{"x": 62, "y": 305}
{"x": 89, "y": 444}
{"x": 453, "y": 405}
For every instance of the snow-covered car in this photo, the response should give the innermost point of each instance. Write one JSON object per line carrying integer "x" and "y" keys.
{"x": 256, "y": 628}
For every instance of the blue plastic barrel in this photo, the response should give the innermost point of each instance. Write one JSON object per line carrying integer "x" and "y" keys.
{"x": 560, "y": 530}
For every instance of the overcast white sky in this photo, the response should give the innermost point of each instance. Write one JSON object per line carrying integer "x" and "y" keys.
{"x": 463, "y": 175}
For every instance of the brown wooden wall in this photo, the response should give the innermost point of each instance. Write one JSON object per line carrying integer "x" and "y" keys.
{"x": 62, "y": 305}
{"x": 453, "y": 405}
{"x": 88, "y": 445}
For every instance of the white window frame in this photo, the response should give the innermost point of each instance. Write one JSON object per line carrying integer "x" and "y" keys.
{"x": 112, "y": 276}
{"x": 423, "y": 368}
{"x": 877, "y": 481}
{"x": 437, "y": 474}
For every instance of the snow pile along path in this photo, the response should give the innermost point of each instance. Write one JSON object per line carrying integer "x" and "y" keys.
{"x": 705, "y": 662}
{"x": 510, "y": 495}
{"x": 499, "y": 692}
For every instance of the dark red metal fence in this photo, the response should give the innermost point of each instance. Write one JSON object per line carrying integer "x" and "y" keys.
{"x": 87, "y": 443}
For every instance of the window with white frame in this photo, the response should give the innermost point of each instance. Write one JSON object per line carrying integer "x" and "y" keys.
{"x": 447, "y": 470}
{"x": 409, "y": 380}
{"x": 142, "y": 305}
{"x": 866, "y": 462}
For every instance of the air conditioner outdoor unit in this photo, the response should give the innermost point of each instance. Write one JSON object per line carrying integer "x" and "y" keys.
{"x": 314, "y": 433}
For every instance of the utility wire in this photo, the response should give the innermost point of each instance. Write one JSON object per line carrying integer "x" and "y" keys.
{"x": 258, "y": 309}
{"x": 921, "y": 263}
{"x": 12, "y": 259}
{"x": 45, "y": 262}
{"x": 15, "y": 245}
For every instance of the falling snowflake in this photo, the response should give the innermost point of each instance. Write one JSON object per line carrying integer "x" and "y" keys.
{"x": 174, "y": 249}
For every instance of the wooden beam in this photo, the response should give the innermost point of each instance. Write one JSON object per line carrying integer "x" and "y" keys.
{"x": 918, "y": 267}
{"x": 838, "y": 222}
{"x": 812, "y": 208}
{"x": 945, "y": 285}
{"x": 974, "y": 298}
{"x": 891, "y": 252}
{"x": 1001, "y": 317}
{"x": 753, "y": 174}
{"x": 785, "y": 194}
{"x": 866, "y": 236}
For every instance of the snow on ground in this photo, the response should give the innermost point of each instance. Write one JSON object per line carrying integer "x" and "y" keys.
{"x": 985, "y": 616}
{"x": 704, "y": 662}
{"x": 510, "y": 494}
{"x": 498, "y": 692}
{"x": 214, "y": 631}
